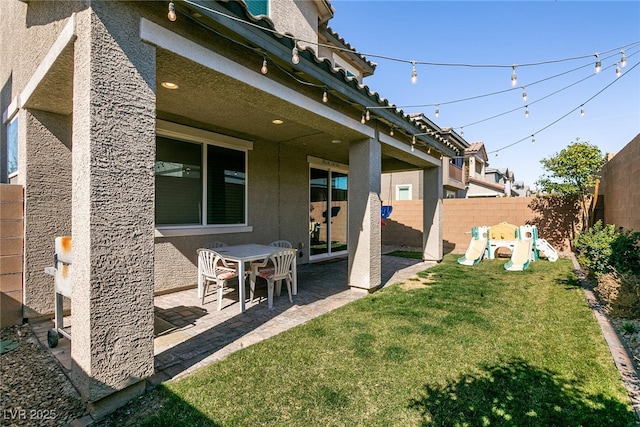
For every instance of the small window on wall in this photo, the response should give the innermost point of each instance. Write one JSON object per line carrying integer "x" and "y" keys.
{"x": 403, "y": 192}
{"x": 12, "y": 147}
{"x": 258, "y": 7}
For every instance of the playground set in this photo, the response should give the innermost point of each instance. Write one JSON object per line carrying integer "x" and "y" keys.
{"x": 522, "y": 241}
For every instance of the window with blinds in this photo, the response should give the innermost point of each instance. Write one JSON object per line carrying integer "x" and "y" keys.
{"x": 180, "y": 177}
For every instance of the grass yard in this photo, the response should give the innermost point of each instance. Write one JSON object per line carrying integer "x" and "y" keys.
{"x": 458, "y": 346}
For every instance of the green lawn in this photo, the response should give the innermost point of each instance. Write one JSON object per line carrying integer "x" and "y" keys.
{"x": 466, "y": 346}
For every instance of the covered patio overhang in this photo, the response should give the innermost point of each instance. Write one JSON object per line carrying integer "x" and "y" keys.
{"x": 94, "y": 129}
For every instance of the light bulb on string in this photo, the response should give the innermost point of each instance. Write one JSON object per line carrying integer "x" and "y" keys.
{"x": 413, "y": 148}
{"x": 414, "y": 73}
{"x": 514, "y": 78}
{"x": 391, "y": 131}
{"x": 496, "y": 154}
{"x": 264, "y": 69}
{"x": 524, "y": 94}
{"x": 623, "y": 59}
{"x": 363, "y": 120}
{"x": 526, "y": 111}
{"x": 295, "y": 58}
{"x": 582, "y": 110}
{"x": 413, "y": 140}
{"x": 172, "y": 12}
{"x": 367, "y": 115}
{"x": 598, "y": 63}
{"x": 462, "y": 132}
{"x": 437, "y": 111}
{"x": 618, "y": 72}
{"x": 533, "y": 139}
{"x": 325, "y": 96}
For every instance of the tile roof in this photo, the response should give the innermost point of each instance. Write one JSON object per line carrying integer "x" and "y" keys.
{"x": 326, "y": 65}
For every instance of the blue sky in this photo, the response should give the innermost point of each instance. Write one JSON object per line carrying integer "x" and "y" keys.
{"x": 505, "y": 33}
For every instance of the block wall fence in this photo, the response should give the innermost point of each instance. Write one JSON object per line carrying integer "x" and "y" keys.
{"x": 11, "y": 248}
{"x": 621, "y": 187}
{"x": 554, "y": 219}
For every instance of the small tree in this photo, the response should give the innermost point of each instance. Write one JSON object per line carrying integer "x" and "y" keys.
{"x": 572, "y": 173}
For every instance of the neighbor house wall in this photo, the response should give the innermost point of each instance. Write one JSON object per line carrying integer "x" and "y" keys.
{"x": 553, "y": 218}
{"x": 621, "y": 189}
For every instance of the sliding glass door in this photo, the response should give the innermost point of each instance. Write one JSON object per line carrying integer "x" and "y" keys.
{"x": 328, "y": 191}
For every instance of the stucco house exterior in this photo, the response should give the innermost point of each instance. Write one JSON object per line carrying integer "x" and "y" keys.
{"x": 143, "y": 137}
{"x": 408, "y": 184}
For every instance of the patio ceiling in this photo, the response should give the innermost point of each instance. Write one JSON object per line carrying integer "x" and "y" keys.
{"x": 229, "y": 106}
{"x": 221, "y": 103}
{"x": 226, "y": 105}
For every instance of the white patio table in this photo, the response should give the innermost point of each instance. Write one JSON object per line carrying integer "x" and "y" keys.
{"x": 247, "y": 253}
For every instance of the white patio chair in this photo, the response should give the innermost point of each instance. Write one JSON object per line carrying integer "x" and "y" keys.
{"x": 275, "y": 268}
{"x": 213, "y": 244}
{"x": 281, "y": 244}
{"x": 278, "y": 244}
{"x": 214, "y": 270}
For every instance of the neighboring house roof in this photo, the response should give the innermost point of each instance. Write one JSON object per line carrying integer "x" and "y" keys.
{"x": 487, "y": 184}
{"x": 363, "y": 97}
{"x": 346, "y": 49}
{"x": 476, "y": 149}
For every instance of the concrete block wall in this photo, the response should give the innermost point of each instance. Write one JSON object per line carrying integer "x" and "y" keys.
{"x": 404, "y": 225}
{"x": 554, "y": 220}
{"x": 11, "y": 249}
{"x": 621, "y": 189}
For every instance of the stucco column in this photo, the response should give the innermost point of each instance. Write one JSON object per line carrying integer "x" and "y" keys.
{"x": 364, "y": 214}
{"x": 113, "y": 206}
{"x": 432, "y": 208}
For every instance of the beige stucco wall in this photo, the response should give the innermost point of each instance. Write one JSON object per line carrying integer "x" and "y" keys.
{"x": 390, "y": 181}
{"x": 299, "y": 18}
{"x": 621, "y": 187}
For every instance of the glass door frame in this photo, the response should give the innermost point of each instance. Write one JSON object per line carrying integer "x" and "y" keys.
{"x": 330, "y": 167}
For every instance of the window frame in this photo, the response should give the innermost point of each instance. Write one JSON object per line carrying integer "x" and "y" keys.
{"x": 205, "y": 138}
{"x": 403, "y": 187}
{"x": 13, "y": 122}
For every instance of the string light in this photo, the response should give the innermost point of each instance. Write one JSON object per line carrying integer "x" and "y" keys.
{"x": 264, "y": 69}
{"x": 582, "y": 110}
{"x": 514, "y": 78}
{"x": 598, "y": 63}
{"x": 172, "y": 12}
{"x": 413, "y": 148}
{"x": 414, "y": 73}
{"x": 363, "y": 120}
{"x": 391, "y": 131}
{"x": 526, "y": 111}
{"x": 565, "y": 115}
{"x": 623, "y": 59}
{"x": 533, "y": 140}
{"x": 524, "y": 94}
{"x": 367, "y": 115}
{"x": 413, "y": 140}
{"x": 295, "y": 60}
{"x": 437, "y": 111}
{"x": 618, "y": 72}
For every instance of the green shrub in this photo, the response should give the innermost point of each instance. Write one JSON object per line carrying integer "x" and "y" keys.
{"x": 594, "y": 248}
{"x": 625, "y": 252}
